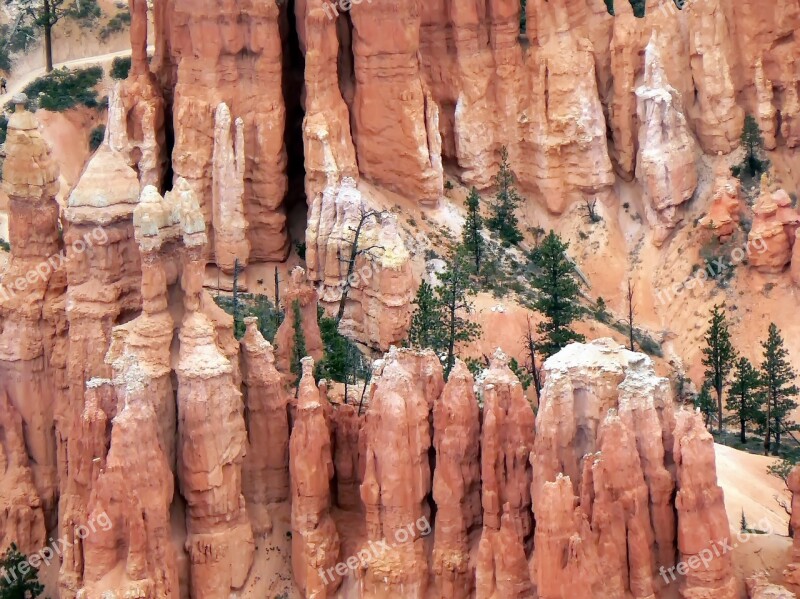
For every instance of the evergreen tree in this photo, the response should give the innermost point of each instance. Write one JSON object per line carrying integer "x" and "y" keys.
{"x": 18, "y": 578}
{"x": 44, "y": 14}
{"x": 299, "y": 345}
{"x": 718, "y": 355}
{"x": 777, "y": 376}
{"x": 472, "y": 238}
{"x": 704, "y": 403}
{"x": 753, "y": 144}
{"x": 504, "y": 219}
{"x": 453, "y": 297}
{"x": 744, "y": 397}
{"x": 427, "y": 322}
{"x": 558, "y": 292}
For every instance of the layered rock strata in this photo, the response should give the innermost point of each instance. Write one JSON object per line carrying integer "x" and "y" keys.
{"x": 265, "y": 471}
{"x": 211, "y": 53}
{"x": 315, "y": 541}
{"x": 397, "y": 475}
{"x": 32, "y": 325}
{"x": 301, "y": 294}
{"x": 456, "y": 483}
{"x": 666, "y": 160}
{"x": 773, "y": 232}
{"x": 210, "y": 416}
{"x": 378, "y": 286}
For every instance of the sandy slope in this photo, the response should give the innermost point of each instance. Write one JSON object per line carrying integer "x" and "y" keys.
{"x": 748, "y": 487}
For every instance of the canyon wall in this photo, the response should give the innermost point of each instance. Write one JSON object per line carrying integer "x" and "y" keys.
{"x": 387, "y": 91}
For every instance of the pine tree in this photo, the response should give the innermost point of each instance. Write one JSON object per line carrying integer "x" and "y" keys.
{"x": 704, "y": 403}
{"x": 299, "y": 345}
{"x": 427, "y": 322}
{"x": 438, "y": 322}
{"x": 18, "y": 578}
{"x": 745, "y": 397}
{"x": 504, "y": 219}
{"x": 558, "y": 292}
{"x": 777, "y": 376}
{"x": 453, "y": 297}
{"x": 753, "y": 143}
{"x": 472, "y": 240}
{"x": 718, "y": 355}
{"x": 44, "y": 14}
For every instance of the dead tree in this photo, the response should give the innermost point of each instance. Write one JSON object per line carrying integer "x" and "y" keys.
{"x": 590, "y": 206}
{"x": 355, "y": 252}
{"x": 530, "y": 348}
{"x": 631, "y": 308}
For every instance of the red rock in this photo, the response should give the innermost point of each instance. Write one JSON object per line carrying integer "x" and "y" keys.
{"x": 315, "y": 541}
{"x": 265, "y": 470}
{"x": 724, "y": 213}
{"x": 298, "y": 290}
{"x": 456, "y": 483}
{"x": 792, "y": 573}
{"x": 772, "y": 234}
{"x": 379, "y": 293}
{"x": 32, "y": 326}
{"x": 397, "y": 478}
{"x": 702, "y": 520}
{"x": 212, "y": 443}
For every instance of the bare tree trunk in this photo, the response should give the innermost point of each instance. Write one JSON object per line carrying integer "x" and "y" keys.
{"x": 351, "y": 261}
{"x": 630, "y": 314}
{"x": 48, "y": 40}
{"x": 277, "y": 290}
{"x": 769, "y": 423}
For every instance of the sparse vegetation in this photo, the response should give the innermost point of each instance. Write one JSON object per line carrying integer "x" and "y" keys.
{"x": 96, "y": 137}
{"x": 439, "y": 320}
{"x": 260, "y": 306}
{"x": 3, "y": 128}
{"x": 777, "y": 378}
{"x": 704, "y": 403}
{"x": 120, "y": 67}
{"x": 117, "y": 23}
{"x": 719, "y": 355}
{"x": 343, "y": 361}
{"x": 754, "y": 163}
{"x": 503, "y": 219}
{"x": 20, "y": 578}
{"x": 558, "y": 291}
{"x": 472, "y": 237}
{"x": 745, "y": 398}
{"x": 64, "y": 89}
{"x": 4, "y": 245}
{"x": 42, "y": 15}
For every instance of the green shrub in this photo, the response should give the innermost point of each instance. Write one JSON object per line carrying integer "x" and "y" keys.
{"x": 117, "y": 23}
{"x": 4, "y": 245}
{"x": 64, "y": 89}
{"x": 269, "y": 318}
{"x": 3, "y": 128}
{"x": 120, "y": 67}
{"x": 96, "y": 137}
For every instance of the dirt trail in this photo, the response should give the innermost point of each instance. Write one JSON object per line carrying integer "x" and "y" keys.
{"x": 19, "y": 83}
